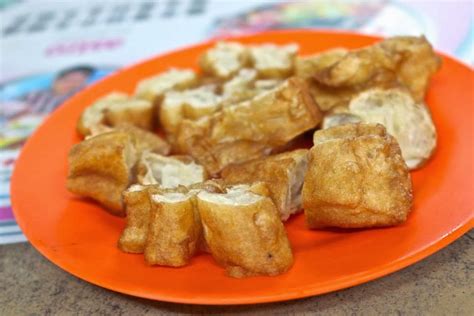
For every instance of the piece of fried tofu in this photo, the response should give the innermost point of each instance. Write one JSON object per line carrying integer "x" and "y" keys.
{"x": 188, "y": 104}
{"x": 307, "y": 66}
{"x": 174, "y": 230}
{"x": 250, "y": 129}
{"x": 101, "y": 168}
{"x": 283, "y": 173}
{"x": 137, "y": 204}
{"x": 408, "y": 60}
{"x": 239, "y": 87}
{"x": 115, "y": 109}
{"x": 244, "y": 232}
{"x": 144, "y": 140}
{"x": 273, "y": 61}
{"x": 169, "y": 172}
{"x": 153, "y": 88}
{"x": 224, "y": 60}
{"x": 407, "y": 120}
{"x": 356, "y": 178}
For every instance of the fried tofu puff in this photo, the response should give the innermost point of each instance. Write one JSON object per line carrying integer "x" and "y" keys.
{"x": 188, "y": 104}
{"x": 174, "y": 231}
{"x": 144, "y": 140}
{"x": 356, "y": 178}
{"x": 101, "y": 168}
{"x": 250, "y": 129}
{"x": 224, "y": 60}
{"x": 282, "y": 173}
{"x": 153, "y": 88}
{"x": 244, "y": 232}
{"x": 114, "y": 109}
{"x": 169, "y": 172}
{"x": 411, "y": 61}
{"x": 137, "y": 207}
{"x": 273, "y": 61}
{"x": 307, "y": 66}
{"x": 407, "y": 120}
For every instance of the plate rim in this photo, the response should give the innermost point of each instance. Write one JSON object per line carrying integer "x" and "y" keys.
{"x": 307, "y": 291}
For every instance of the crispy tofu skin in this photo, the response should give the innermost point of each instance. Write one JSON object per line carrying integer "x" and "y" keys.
{"x": 153, "y": 88}
{"x": 283, "y": 174}
{"x": 101, "y": 168}
{"x": 174, "y": 230}
{"x": 144, "y": 140}
{"x": 189, "y": 104}
{"x": 307, "y": 66}
{"x": 335, "y": 119}
{"x": 250, "y": 129}
{"x": 138, "y": 207}
{"x": 409, "y": 60}
{"x": 244, "y": 233}
{"x": 273, "y": 61}
{"x": 139, "y": 113}
{"x": 407, "y": 120}
{"x": 93, "y": 115}
{"x": 224, "y": 59}
{"x": 169, "y": 172}
{"x": 356, "y": 181}
{"x": 348, "y": 131}
{"x": 115, "y": 109}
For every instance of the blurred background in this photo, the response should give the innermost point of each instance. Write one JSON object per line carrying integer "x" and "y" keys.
{"x": 52, "y": 49}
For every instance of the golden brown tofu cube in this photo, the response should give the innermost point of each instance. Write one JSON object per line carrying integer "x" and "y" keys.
{"x": 115, "y": 109}
{"x": 273, "y": 61}
{"x": 244, "y": 232}
{"x": 308, "y": 66}
{"x": 410, "y": 61}
{"x": 169, "y": 172}
{"x": 138, "y": 208}
{"x": 224, "y": 59}
{"x": 283, "y": 173}
{"x": 153, "y": 88}
{"x": 188, "y": 104}
{"x": 101, "y": 168}
{"x": 251, "y": 129}
{"x": 407, "y": 120}
{"x": 174, "y": 230}
{"x": 356, "y": 181}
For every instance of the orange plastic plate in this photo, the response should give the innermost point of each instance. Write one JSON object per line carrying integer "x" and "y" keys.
{"x": 81, "y": 238}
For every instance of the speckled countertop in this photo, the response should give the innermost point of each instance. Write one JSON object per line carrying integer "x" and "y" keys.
{"x": 442, "y": 284}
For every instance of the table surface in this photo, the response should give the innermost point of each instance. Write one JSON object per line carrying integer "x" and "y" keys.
{"x": 441, "y": 284}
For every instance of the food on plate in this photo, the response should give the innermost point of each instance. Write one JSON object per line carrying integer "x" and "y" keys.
{"x": 153, "y": 88}
{"x": 307, "y": 66}
{"x": 341, "y": 118}
{"x": 273, "y": 61}
{"x": 283, "y": 173}
{"x": 114, "y": 109}
{"x": 242, "y": 122}
{"x": 240, "y": 87}
{"x": 348, "y": 131}
{"x": 174, "y": 230}
{"x": 101, "y": 168}
{"x": 188, "y": 104}
{"x": 144, "y": 140}
{"x": 250, "y": 129}
{"x": 224, "y": 59}
{"x": 356, "y": 178}
{"x": 244, "y": 232}
{"x": 169, "y": 172}
{"x": 407, "y": 120}
{"x": 137, "y": 204}
{"x": 337, "y": 76}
